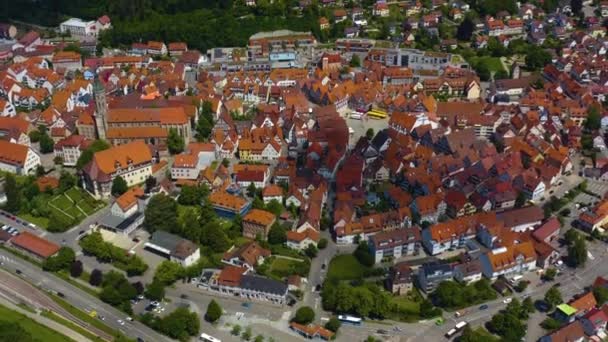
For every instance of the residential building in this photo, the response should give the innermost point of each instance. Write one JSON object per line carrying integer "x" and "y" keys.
{"x": 395, "y": 244}
{"x": 272, "y": 192}
{"x": 257, "y": 223}
{"x": 126, "y": 213}
{"x": 594, "y": 322}
{"x": 573, "y": 332}
{"x": 522, "y": 219}
{"x": 69, "y": 149}
{"x": 312, "y": 331}
{"x": 132, "y": 162}
{"x": 190, "y": 163}
{"x": 509, "y": 261}
{"x": 234, "y": 281}
{"x": 431, "y": 274}
{"x": 468, "y": 272}
{"x": 18, "y": 159}
{"x": 400, "y": 279}
{"x": 227, "y": 205}
{"x": 548, "y": 231}
{"x": 248, "y": 255}
{"x": 594, "y": 218}
{"x": 175, "y": 248}
{"x": 67, "y": 61}
{"x": 301, "y": 239}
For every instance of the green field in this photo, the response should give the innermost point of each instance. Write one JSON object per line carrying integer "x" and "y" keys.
{"x": 345, "y": 267}
{"x": 493, "y": 63}
{"x": 38, "y": 331}
{"x": 42, "y": 222}
{"x": 76, "y": 203}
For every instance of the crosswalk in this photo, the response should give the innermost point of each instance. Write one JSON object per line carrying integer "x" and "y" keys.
{"x": 6, "y": 259}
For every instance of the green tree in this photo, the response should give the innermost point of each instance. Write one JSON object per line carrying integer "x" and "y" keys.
{"x": 333, "y": 324}
{"x": 363, "y": 254}
{"x": 465, "y": 30}
{"x": 13, "y": 196}
{"x": 277, "y": 234}
{"x": 571, "y": 236}
{"x": 551, "y": 324}
{"x": 119, "y": 186}
{"x": 553, "y": 297}
{"x": 601, "y": 294}
{"x": 236, "y": 330}
{"x": 550, "y": 274}
{"x": 203, "y": 129}
{"x": 251, "y": 190}
{"x": 355, "y": 61}
{"x": 62, "y": 261}
{"x": 168, "y": 272}
{"x": 304, "y": 315}
{"x": 577, "y": 253}
{"x": 247, "y": 334}
{"x": 96, "y": 277}
{"x": 507, "y": 326}
{"x": 161, "y": 214}
{"x": 537, "y": 57}
{"x": 180, "y": 324}
{"x": 87, "y": 155}
{"x": 214, "y": 312}
{"x": 76, "y": 269}
{"x": 192, "y": 195}
{"x": 311, "y": 251}
{"x": 66, "y": 181}
{"x": 155, "y": 290}
{"x": 46, "y": 144}
{"x": 213, "y": 236}
{"x": 369, "y": 134}
{"x": 175, "y": 142}
{"x": 322, "y": 243}
{"x": 593, "y": 121}
{"x": 275, "y": 207}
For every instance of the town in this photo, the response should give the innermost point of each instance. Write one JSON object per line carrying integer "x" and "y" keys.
{"x": 389, "y": 171}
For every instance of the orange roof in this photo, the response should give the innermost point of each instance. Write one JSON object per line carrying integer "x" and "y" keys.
{"x": 129, "y": 198}
{"x": 309, "y": 233}
{"x": 136, "y": 132}
{"x": 13, "y": 154}
{"x": 35, "y": 245}
{"x": 507, "y": 258}
{"x": 135, "y": 153}
{"x": 272, "y": 191}
{"x": 253, "y": 167}
{"x": 166, "y": 115}
{"x": 185, "y": 161}
{"x": 66, "y": 56}
{"x": 224, "y": 199}
{"x": 231, "y": 276}
{"x": 312, "y": 330}
{"x": 261, "y": 217}
{"x": 585, "y": 302}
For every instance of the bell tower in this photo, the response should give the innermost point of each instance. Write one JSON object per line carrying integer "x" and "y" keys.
{"x": 101, "y": 108}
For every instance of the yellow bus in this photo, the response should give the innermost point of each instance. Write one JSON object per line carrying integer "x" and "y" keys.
{"x": 377, "y": 114}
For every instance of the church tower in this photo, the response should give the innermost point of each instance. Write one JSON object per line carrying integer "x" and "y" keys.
{"x": 101, "y": 108}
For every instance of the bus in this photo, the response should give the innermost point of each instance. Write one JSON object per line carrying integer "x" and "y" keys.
{"x": 350, "y": 319}
{"x": 461, "y": 325}
{"x": 451, "y": 333}
{"x": 209, "y": 338}
{"x": 377, "y": 114}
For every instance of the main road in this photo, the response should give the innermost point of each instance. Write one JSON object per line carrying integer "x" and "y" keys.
{"x": 77, "y": 298}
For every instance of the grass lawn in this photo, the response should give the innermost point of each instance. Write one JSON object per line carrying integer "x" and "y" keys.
{"x": 38, "y": 331}
{"x": 345, "y": 267}
{"x": 493, "y": 63}
{"x": 72, "y": 326}
{"x": 41, "y": 222}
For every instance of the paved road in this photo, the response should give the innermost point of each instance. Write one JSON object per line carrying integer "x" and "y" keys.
{"x": 79, "y": 298}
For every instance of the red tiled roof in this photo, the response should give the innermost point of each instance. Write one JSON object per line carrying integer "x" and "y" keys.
{"x": 35, "y": 245}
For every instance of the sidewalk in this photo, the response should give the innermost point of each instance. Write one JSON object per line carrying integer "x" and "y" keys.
{"x": 46, "y": 322}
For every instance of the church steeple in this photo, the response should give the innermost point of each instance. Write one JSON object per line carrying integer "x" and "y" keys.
{"x": 101, "y": 107}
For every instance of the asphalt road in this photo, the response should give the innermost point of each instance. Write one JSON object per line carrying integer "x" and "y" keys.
{"x": 79, "y": 298}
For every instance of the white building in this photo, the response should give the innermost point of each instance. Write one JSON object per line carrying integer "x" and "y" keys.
{"x": 18, "y": 159}
{"x": 189, "y": 164}
{"x": 509, "y": 261}
{"x": 181, "y": 251}
{"x": 80, "y": 28}
{"x": 69, "y": 149}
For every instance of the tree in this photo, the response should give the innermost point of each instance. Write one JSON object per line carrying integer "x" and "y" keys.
{"x": 247, "y": 334}
{"x": 333, "y": 324}
{"x": 553, "y": 297}
{"x": 594, "y": 119}
{"x": 214, "y": 312}
{"x": 175, "y": 142}
{"x": 577, "y": 253}
{"x": 62, "y": 261}
{"x": 275, "y": 207}
{"x": 161, "y": 214}
{"x": 322, "y": 243}
{"x": 259, "y": 338}
{"x": 311, "y": 251}
{"x": 277, "y": 234}
{"x": 550, "y": 274}
{"x": 528, "y": 305}
{"x": 46, "y": 144}
{"x": 465, "y": 30}
{"x": 155, "y": 290}
{"x": 369, "y": 134}
{"x": 66, "y": 181}
{"x": 168, "y": 272}
{"x": 203, "y": 128}
{"x": 76, "y": 269}
{"x": 96, "y": 277}
{"x": 87, "y": 155}
{"x": 150, "y": 183}
{"x": 236, "y": 330}
{"x": 537, "y": 57}
{"x": 180, "y": 324}
{"x": 251, "y": 190}
{"x": 355, "y": 61}
{"x": 507, "y": 326}
{"x": 192, "y": 195}
{"x": 304, "y": 315}
{"x": 13, "y": 196}
{"x": 551, "y": 324}
{"x": 571, "y": 236}
{"x": 119, "y": 186}
{"x": 601, "y": 294}
{"x": 13, "y": 331}
{"x": 363, "y": 254}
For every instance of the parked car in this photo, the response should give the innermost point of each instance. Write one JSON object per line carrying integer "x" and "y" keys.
{"x": 483, "y": 307}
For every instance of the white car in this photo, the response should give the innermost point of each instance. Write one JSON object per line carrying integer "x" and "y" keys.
{"x": 507, "y": 300}
{"x": 130, "y": 319}
{"x": 121, "y": 322}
